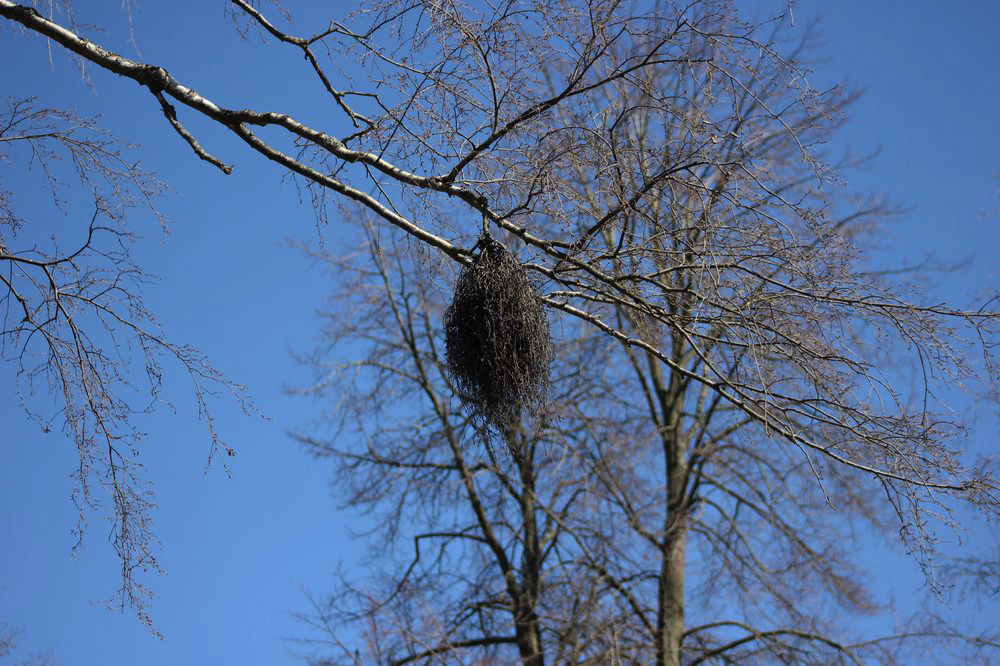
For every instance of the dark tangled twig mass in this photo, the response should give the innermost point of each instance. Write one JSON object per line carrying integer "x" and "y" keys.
{"x": 497, "y": 339}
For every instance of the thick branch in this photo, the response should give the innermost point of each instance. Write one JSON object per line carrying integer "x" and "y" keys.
{"x": 758, "y": 635}
{"x": 473, "y": 642}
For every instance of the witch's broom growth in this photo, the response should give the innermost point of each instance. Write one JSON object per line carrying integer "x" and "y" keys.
{"x": 497, "y": 341}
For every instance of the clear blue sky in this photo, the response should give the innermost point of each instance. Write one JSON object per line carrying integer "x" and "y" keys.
{"x": 239, "y": 551}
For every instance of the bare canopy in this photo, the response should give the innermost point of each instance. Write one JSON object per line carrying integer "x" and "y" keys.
{"x": 725, "y": 399}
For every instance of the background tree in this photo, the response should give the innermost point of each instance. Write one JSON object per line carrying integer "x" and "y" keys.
{"x": 8, "y": 642}
{"x": 660, "y": 168}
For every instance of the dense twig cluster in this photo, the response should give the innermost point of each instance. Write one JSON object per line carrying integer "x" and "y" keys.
{"x": 497, "y": 338}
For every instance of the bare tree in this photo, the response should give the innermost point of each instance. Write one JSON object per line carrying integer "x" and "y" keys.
{"x": 554, "y": 555}
{"x": 728, "y": 387}
{"x": 75, "y": 326}
{"x": 8, "y": 646}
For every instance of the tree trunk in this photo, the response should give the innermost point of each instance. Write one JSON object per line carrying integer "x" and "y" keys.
{"x": 526, "y": 627}
{"x": 670, "y": 604}
{"x": 670, "y": 615}
{"x": 529, "y": 638}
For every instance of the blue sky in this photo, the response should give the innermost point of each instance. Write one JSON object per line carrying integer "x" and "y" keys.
{"x": 240, "y": 551}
